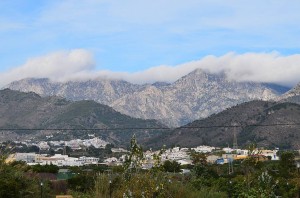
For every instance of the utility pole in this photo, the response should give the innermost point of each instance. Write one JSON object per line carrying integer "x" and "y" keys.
{"x": 235, "y": 144}
{"x": 110, "y": 189}
{"x": 65, "y": 150}
{"x": 230, "y": 166}
{"x": 230, "y": 188}
{"x": 41, "y": 189}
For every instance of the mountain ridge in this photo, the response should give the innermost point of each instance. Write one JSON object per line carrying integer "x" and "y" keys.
{"x": 268, "y": 124}
{"x": 193, "y": 96}
{"x": 27, "y": 111}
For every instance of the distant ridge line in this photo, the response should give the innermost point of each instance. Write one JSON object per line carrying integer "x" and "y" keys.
{"x": 147, "y": 128}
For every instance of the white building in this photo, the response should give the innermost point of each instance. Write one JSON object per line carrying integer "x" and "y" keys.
{"x": 176, "y": 154}
{"x": 270, "y": 153}
{"x": 204, "y": 149}
{"x": 57, "y": 159}
{"x": 43, "y": 145}
{"x": 25, "y": 157}
{"x": 89, "y": 160}
{"x": 228, "y": 150}
{"x": 113, "y": 161}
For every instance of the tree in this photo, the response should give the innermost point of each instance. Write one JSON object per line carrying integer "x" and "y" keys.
{"x": 14, "y": 182}
{"x": 287, "y": 164}
{"x": 51, "y": 152}
{"x": 171, "y": 166}
{"x": 135, "y": 157}
{"x": 199, "y": 158}
{"x": 82, "y": 183}
{"x": 34, "y": 149}
{"x": 108, "y": 148}
{"x": 45, "y": 168}
{"x": 261, "y": 186}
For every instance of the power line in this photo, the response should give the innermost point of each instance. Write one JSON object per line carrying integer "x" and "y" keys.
{"x": 148, "y": 128}
{"x": 86, "y": 129}
{"x": 239, "y": 126}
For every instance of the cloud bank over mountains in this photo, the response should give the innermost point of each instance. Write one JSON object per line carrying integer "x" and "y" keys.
{"x": 79, "y": 64}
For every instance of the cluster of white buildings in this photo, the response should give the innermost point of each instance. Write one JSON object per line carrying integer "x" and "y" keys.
{"x": 180, "y": 155}
{"x": 204, "y": 149}
{"x": 57, "y": 159}
{"x": 76, "y": 144}
{"x": 214, "y": 155}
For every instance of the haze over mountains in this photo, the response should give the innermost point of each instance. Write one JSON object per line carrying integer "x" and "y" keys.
{"x": 194, "y": 96}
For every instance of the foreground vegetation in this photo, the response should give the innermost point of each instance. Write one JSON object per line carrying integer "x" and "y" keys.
{"x": 250, "y": 178}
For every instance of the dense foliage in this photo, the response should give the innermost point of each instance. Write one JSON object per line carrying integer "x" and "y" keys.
{"x": 45, "y": 169}
{"x": 17, "y": 182}
{"x": 250, "y": 178}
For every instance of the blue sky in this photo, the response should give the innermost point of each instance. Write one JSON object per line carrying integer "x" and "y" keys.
{"x": 135, "y": 35}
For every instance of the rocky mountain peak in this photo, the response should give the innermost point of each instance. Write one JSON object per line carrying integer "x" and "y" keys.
{"x": 292, "y": 95}
{"x": 293, "y": 92}
{"x": 195, "y": 95}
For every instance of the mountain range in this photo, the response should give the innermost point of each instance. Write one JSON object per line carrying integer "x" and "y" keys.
{"x": 53, "y": 115}
{"x": 268, "y": 124}
{"x": 194, "y": 96}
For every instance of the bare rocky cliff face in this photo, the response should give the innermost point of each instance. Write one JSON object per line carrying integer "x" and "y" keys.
{"x": 292, "y": 95}
{"x": 194, "y": 96}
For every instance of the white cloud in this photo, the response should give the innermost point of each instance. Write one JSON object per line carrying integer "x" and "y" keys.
{"x": 57, "y": 66}
{"x": 254, "y": 67}
{"x": 79, "y": 65}
{"x": 153, "y": 28}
